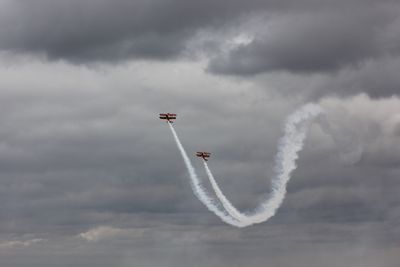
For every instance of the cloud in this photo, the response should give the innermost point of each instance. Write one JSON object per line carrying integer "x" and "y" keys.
{"x": 376, "y": 77}
{"x": 107, "y": 232}
{"x": 84, "y": 31}
{"x": 20, "y": 243}
{"x": 349, "y": 47}
{"x": 86, "y": 165}
{"x": 307, "y": 42}
{"x": 90, "y": 150}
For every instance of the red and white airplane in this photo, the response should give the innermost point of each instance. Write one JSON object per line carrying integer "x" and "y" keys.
{"x": 169, "y": 117}
{"x": 204, "y": 155}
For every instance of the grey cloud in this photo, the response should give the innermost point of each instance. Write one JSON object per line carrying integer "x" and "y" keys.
{"x": 91, "y": 154}
{"x": 347, "y": 46}
{"x": 316, "y": 41}
{"x": 82, "y": 31}
{"x": 176, "y": 246}
{"x": 320, "y": 52}
{"x": 376, "y": 77}
{"x": 91, "y": 30}
{"x": 82, "y": 148}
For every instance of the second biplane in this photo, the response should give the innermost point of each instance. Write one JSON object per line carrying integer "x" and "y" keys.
{"x": 204, "y": 155}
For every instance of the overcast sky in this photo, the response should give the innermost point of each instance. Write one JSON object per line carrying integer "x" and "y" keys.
{"x": 89, "y": 176}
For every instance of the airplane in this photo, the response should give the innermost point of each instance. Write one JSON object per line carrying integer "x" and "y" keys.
{"x": 204, "y": 155}
{"x": 168, "y": 116}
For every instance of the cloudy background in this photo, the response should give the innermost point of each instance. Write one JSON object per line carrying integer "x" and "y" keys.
{"x": 90, "y": 177}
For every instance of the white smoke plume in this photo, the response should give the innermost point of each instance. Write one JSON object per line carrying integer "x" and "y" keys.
{"x": 289, "y": 146}
{"x": 235, "y": 213}
{"x": 198, "y": 188}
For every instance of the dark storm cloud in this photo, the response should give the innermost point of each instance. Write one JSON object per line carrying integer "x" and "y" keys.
{"x": 353, "y": 44}
{"x": 312, "y": 41}
{"x": 327, "y": 50}
{"x": 110, "y": 31}
{"x": 376, "y": 77}
{"x": 94, "y": 30}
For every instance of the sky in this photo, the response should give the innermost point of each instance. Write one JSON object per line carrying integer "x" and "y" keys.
{"x": 89, "y": 176}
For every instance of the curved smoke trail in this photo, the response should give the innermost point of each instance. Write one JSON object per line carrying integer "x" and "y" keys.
{"x": 291, "y": 143}
{"x": 198, "y": 188}
{"x": 235, "y": 213}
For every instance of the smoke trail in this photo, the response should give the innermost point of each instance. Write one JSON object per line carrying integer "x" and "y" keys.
{"x": 225, "y": 202}
{"x": 198, "y": 188}
{"x": 291, "y": 143}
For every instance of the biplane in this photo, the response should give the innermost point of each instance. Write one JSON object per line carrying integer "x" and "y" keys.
{"x": 169, "y": 117}
{"x": 204, "y": 155}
